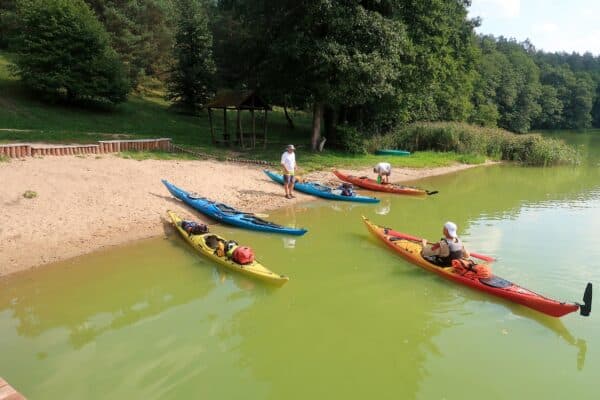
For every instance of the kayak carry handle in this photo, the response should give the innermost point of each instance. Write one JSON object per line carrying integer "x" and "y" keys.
{"x": 586, "y": 308}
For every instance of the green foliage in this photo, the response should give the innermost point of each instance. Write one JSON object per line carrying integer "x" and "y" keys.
{"x": 155, "y": 155}
{"x": 30, "y": 194}
{"x": 8, "y": 22}
{"x": 63, "y": 53}
{"x": 507, "y": 89}
{"x": 191, "y": 83}
{"x": 140, "y": 32}
{"x": 351, "y": 140}
{"x": 476, "y": 142}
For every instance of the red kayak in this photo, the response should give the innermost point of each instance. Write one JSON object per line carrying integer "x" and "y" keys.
{"x": 492, "y": 284}
{"x": 371, "y": 184}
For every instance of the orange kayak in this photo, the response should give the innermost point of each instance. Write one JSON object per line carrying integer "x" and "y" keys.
{"x": 494, "y": 285}
{"x": 371, "y": 184}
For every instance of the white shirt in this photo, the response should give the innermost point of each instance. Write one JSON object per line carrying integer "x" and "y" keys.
{"x": 383, "y": 168}
{"x": 289, "y": 161}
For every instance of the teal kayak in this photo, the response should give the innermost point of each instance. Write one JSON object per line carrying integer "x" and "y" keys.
{"x": 326, "y": 192}
{"x": 389, "y": 152}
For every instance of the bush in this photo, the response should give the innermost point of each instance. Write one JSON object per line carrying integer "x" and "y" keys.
{"x": 351, "y": 139}
{"x": 63, "y": 52}
{"x": 473, "y": 141}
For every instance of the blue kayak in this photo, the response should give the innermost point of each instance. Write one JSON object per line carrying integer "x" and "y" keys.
{"x": 228, "y": 215}
{"x": 316, "y": 189}
{"x": 390, "y": 152}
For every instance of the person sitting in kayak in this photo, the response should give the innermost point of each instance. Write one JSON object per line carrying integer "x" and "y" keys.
{"x": 383, "y": 171}
{"x": 347, "y": 189}
{"x": 449, "y": 248}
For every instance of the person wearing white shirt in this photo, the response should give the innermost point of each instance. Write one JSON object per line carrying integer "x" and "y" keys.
{"x": 383, "y": 171}
{"x": 288, "y": 162}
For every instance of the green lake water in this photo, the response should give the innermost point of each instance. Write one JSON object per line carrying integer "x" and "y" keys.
{"x": 154, "y": 320}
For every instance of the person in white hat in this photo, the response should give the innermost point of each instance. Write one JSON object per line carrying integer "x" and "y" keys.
{"x": 449, "y": 248}
{"x": 288, "y": 162}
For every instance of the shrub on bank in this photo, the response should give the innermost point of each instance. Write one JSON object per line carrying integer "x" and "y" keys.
{"x": 496, "y": 143}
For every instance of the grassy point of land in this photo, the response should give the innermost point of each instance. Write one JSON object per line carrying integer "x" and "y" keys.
{"x": 24, "y": 118}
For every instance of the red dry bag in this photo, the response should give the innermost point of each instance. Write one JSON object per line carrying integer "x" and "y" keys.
{"x": 243, "y": 255}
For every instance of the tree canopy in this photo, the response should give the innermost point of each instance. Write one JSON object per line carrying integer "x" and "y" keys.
{"x": 368, "y": 64}
{"x": 63, "y": 52}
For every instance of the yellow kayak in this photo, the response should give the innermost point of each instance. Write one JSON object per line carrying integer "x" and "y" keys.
{"x": 254, "y": 269}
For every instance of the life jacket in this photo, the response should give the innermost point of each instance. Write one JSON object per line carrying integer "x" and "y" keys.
{"x": 469, "y": 268}
{"x": 456, "y": 252}
{"x": 243, "y": 255}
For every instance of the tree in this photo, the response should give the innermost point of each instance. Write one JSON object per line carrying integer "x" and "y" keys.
{"x": 191, "y": 82}
{"x": 140, "y": 32}
{"x": 442, "y": 69}
{"x": 330, "y": 54}
{"x": 8, "y": 21}
{"x": 63, "y": 52}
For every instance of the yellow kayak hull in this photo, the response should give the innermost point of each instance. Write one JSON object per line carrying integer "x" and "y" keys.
{"x": 254, "y": 270}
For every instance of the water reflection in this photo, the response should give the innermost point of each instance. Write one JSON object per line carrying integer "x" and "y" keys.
{"x": 557, "y": 326}
{"x": 288, "y": 242}
{"x": 384, "y": 207}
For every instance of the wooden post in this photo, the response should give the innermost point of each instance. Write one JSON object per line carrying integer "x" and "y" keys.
{"x": 265, "y": 132}
{"x": 212, "y": 130}
{"x": 253, "y": 128}
{"x": 240, "y": 132}
{"x": 225, "y": 134}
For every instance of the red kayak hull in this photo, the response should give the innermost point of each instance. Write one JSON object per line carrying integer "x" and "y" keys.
{"x": 371, "y": 184}
{"x": 411, "y": 251}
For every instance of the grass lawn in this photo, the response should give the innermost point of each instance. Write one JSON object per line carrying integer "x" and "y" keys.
{"x": 24, "y": 118}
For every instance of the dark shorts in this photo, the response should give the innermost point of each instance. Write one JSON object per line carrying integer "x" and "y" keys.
{"x": 288, "y": 179}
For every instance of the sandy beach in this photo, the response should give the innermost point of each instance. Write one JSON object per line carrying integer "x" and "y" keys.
{"x": 86, "y": 203}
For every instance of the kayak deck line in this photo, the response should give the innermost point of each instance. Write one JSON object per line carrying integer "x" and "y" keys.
{"x": 410, "y": 251}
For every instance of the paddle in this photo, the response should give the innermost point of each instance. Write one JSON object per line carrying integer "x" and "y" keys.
{"x": 586, "y": 308}
{"x": 419, "y": 240}
{"x": 431, "y": 193}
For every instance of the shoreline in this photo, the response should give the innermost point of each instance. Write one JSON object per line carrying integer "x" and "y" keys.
{"x": 85, "y": 204}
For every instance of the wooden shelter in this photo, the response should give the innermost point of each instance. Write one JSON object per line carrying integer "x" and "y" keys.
{"x": 240, "y": 101}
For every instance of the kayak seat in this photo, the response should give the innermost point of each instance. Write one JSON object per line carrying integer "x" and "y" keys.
{"x": 496, "y": 281}
{"x": 436, "y": 261}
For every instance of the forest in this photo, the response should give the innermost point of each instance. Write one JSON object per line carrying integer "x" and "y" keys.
{"x": 366, "y": 65}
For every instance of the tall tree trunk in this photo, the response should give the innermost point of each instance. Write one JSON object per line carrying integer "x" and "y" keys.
{"x": 287, "y": 116}
{"x": 316, "y": 125}
{"x": 330, "y": 117}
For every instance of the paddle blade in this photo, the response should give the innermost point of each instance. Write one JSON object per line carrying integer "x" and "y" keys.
{"x": 586, "y": 308}
{"x": 431, "y": 193}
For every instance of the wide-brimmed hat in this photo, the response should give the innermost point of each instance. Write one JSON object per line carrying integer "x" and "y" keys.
{"x": 450, "y": 228}
{"x": 290, "y": 147}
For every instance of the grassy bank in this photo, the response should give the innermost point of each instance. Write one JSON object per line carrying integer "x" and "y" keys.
{"x": 24, "y": 118}
{"x": 495, "y": 143}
